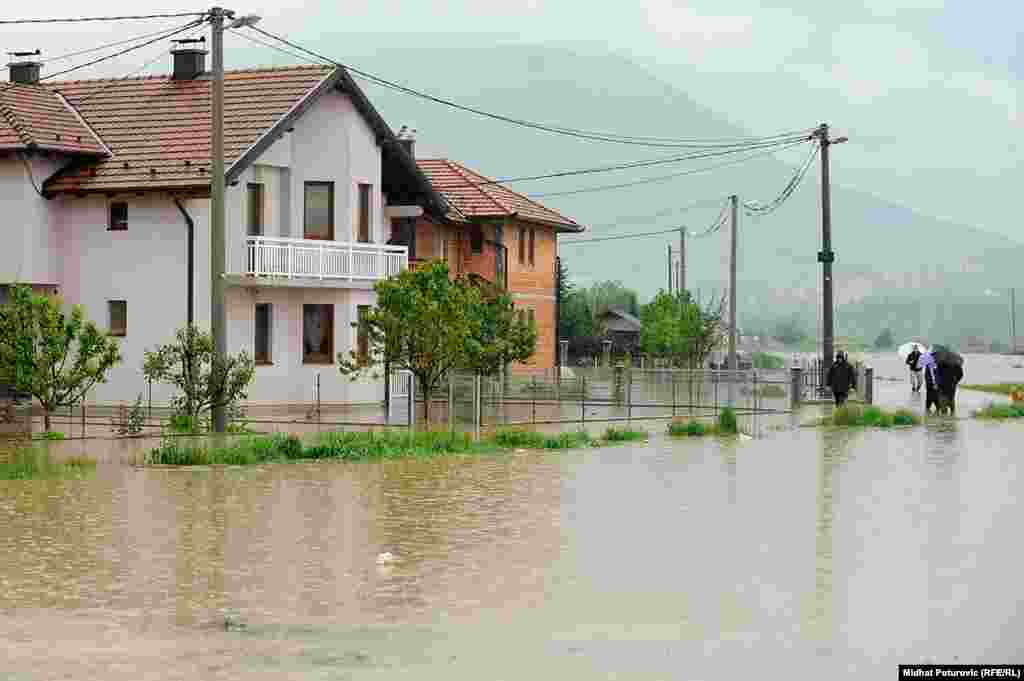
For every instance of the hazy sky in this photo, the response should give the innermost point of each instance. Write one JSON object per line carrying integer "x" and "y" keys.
{"x": 929, "y": 91}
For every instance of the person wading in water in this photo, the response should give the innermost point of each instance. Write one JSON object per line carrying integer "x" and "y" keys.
{"x": 841, "y": 378}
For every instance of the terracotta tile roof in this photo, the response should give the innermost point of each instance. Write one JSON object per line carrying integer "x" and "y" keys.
{"x": 473, "y": 195}
{"x": 158, "y": 128}
{"x": 32, "y": 117}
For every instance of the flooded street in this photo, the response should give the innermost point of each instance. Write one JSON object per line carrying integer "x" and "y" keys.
{"x": 834, "y": 552}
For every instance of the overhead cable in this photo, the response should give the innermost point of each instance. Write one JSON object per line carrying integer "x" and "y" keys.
{"x": 8, "y": 22}
{"x": 664, "y": 142}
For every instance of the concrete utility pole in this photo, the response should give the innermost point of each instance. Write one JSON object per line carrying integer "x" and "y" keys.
{"x": 682, "y": 259}
{"x": 218, "y": 326}
{"x": 1013, "y": 321}
{"x": 734, "y": 205}
{"x": 826, "y": 257}
{"x": 670, "y": 269}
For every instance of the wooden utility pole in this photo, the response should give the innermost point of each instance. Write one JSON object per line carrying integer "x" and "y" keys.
{"x": 734, "y": 201}
{"x": 826, "y": 257}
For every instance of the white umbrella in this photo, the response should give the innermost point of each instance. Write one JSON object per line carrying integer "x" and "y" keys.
{"x": 905, "y": 349}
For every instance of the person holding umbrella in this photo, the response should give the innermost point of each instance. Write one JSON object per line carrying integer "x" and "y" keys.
{"x": 950, "y": 372}
{"x": 915, "y": 371}
{"x": 926, "y": 362}
{"x": 842, "y": 378}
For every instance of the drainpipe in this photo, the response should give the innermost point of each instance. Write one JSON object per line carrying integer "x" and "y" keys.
{"x": 191, "y": 255}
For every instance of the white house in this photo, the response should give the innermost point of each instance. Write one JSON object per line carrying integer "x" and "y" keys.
{"x": 104, "y": 186}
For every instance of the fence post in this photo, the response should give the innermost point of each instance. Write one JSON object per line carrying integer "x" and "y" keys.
{"x": 477, "y": 406}
{"x": 150, "y": 397}
{"x": 83, "y": 415}
{"x": 869, "y": 385}
{"x": 672, "y": 374}
{"x": 796, "y": 387}
{"x": 714, "y": 378}
{"x": 629, "y": 396}
{"x": 451, "y": 402}
{"x": 583, "y": 399}
{"x": 533, "y": 398}
{"x": 411, "y": 398}
{"x": 617, "y": 383}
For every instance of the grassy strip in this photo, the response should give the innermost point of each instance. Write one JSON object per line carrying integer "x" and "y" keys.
{"x": 764, "y": 360}
{"x": 997, "y": 388}
{"x": 1001, "y": 411}
{"x": 726, "y": 425}
{"x": 26, "y": 463}
{"x": 854, "y": 416}
{"x": 371, "y": 445}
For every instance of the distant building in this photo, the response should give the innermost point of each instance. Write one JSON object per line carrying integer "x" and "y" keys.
{"x": 622, "y": 328}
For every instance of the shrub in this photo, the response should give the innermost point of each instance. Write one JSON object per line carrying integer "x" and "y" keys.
{"x": 53, "y": 435}
{"x": 613, "y": 434}
{"x": 727, "y": 422}
{"x": 764, "y": 360}
{"x": 688, "y": 429}
{"x": 1001, "y": 411}
{"x": 27, "y": 463}
{"x": 872, "y": 417}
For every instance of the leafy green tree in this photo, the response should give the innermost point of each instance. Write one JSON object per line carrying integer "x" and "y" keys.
{"x": 203, "y": 381}
{"x": 429, "y": 324}
{"x": 884, "y": 340}
{"x": 53, "y": 356}
{"x": 676, "y": 327}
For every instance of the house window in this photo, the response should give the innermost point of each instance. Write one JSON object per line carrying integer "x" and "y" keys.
{"x": 533, "y": 233}
{"x": 362, "y": 336}
{"x": 118, "y": 216}
{"x": 365, "y": 194}
{"x": 118, "y": 317}
{"x": 261, "y": 342}
{"x": 476, "y": 239}
{"x": 522, "y": 245}
{"x": 254, "y": 209}
{"x": 317, "y": 334}
{"x": 319, "y": 214}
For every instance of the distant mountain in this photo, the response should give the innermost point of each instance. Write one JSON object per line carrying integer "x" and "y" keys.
{"x": 882, "y": 248}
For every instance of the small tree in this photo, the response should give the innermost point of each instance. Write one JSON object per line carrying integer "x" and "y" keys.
{"x": 427, "y": 323}
{"x": 204, "y": 382}
{"x": 53, "y": 356}
{"x": 674, "y": 326}
{"x": 884, "y": 340}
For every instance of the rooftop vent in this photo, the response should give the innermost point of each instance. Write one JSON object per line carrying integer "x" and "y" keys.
{"x": 23, "y": 70}
{"x": 407, "y": 138}
{"x": 189, "y": 58}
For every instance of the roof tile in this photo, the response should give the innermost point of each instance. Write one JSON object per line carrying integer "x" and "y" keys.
{"x": 474, "y": 195}
{"x": 34, "y": 117}
{"x": 158, "y": 122}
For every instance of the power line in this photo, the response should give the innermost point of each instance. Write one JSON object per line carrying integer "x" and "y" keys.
{"x": 104, "y": 47}
{"x": 562, "y": 130}
{"x": 640, "y": 219}
{"x": 163, "y": 36}
{"x": 114, "y": 81}
{"x": 663, "y": 178}
{"x": 760, "y": 209}
{"x": 640, "y": 164}
{"x": 271, "y": 46}
{"x": 715, "y": 226}
{"x": 9, "y": 22}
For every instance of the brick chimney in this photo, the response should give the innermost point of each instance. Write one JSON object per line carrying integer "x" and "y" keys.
{"x": 407, "y": 138}
{"x": 23, "y": 70}
{"x": 189, "y": 58}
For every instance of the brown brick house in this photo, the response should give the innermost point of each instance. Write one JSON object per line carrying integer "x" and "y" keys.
{"x": 497, "y": 234}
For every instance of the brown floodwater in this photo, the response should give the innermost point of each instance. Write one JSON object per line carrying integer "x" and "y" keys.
{"x": 819, "y": 552}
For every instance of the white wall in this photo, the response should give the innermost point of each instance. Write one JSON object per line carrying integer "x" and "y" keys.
{"x": 31, "y": 235}
{"x": 287, "y": 379}
{"x": 144, "y": 266}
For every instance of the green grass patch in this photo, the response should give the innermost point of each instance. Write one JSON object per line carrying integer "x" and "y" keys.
{"x": 764, "y": 360}
{"x": 996, "y": 388}
{"x": 27, "y": 463}
{"x": 727, "y": 424}
{"x": 370, "y": 445}
{"x": 1001, "y": 411}
{"x": 855, "y": 416}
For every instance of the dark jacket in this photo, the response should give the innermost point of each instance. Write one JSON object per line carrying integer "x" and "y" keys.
{"x": 912, "y": 359}
{"x": 841, "y": 377}
{"x": 948, "y": 378}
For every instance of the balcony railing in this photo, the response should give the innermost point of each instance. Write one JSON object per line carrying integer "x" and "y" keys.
{"x": 314, "y": 259}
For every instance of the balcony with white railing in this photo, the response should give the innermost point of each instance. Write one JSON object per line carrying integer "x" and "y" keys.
{"x": 327, "y": 261}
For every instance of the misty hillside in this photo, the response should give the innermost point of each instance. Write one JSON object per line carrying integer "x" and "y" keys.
{"x": 882, "y": 248}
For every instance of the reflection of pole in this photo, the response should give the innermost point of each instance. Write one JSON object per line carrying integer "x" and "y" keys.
{"x": 823, "y": 545}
